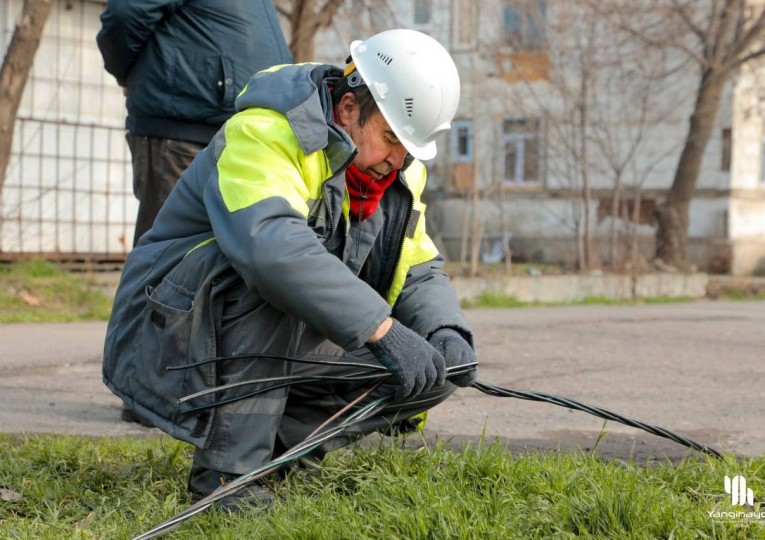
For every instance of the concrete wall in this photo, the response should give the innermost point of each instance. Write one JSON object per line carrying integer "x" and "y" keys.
{"x": 571, "y": 288}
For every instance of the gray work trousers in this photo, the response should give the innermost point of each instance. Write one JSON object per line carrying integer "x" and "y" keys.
{"x": 245, "y": 431}
{"x": 157, "y": 166}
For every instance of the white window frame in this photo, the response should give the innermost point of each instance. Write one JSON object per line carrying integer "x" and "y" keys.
{"x": 457, "y": 127}
{"x": 519, "y": 139}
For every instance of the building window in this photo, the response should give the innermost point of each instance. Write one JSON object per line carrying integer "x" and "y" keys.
{"x": 422, "y": 12}
{"x": 522, "y": 141}
{"x": 524, "y": 23}
{"x": 726, "y": 149}
{"x": 462, "y": 141}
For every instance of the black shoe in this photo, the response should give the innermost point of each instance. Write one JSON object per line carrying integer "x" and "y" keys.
{"x": 129, "y": 415}
{"x": 404, "y": 427}
{"x": 254, "y": 496}
{"x": 309, "y": 464}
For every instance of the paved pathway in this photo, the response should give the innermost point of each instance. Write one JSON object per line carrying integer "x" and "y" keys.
{"x": 694, "y": 368}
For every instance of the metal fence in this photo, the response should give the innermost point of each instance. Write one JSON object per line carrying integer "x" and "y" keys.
{"x": 67, "y": 193}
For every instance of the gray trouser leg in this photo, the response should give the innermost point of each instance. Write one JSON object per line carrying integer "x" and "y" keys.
{"x": 246, "y": 431}
{"x": 310, "y": 405}
{"x": 243, "y": 431}
{"x": 157, "y": 166}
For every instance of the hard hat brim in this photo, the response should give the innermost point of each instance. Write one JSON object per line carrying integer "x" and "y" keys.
{"x": 423, "y": 153}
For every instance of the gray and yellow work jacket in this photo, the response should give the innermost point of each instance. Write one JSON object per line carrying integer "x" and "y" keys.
{"x": 264, "y": 210}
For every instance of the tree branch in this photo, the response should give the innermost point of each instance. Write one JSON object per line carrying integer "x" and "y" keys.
{"x": 681, "y": 11}
{"x": 755, "y": 33}
{"x": 723, "y": 35}
{"x": 327, "y": 13}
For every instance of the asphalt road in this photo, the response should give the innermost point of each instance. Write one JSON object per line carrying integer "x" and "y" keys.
{"x": 697, "y": 369}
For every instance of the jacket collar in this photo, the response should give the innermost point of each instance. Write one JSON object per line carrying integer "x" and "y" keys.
{"x": 301, "y": 93}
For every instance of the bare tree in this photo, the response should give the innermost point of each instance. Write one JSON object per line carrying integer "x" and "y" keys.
{"x": 306, "y": 18}
{"x": 594, "y": 128}
{"x": 720, "y": 36}
{"x": 15, "y": 72}
{"x": 632, "y": 80}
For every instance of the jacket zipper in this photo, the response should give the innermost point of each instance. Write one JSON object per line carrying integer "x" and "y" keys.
{"x": 401, "y": 240}
{"x": 326, "y": 196}
{"x": 216, "y": 376}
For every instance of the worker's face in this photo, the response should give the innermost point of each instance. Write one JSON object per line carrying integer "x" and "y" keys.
{"x": 379, "y": 150}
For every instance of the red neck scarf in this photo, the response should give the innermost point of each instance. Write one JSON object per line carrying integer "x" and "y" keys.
{"x": 364, "y": 191}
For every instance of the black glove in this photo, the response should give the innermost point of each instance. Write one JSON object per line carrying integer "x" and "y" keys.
{"x": 415, "y": 364}
{"x": 456, "y": 351}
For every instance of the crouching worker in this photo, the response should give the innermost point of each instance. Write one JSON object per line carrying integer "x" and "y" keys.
{"x": 298, "y": 233}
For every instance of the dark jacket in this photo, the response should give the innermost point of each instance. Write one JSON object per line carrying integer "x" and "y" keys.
{"x": 263, "y": 211}
{"x": 183, "y": 62}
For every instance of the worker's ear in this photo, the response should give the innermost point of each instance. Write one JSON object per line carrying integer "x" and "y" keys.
{"x": 347, "y": 110}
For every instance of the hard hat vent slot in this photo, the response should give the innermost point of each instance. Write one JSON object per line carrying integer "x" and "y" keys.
{"x": 385, "y": 58}
{"x": 409, "y": 106}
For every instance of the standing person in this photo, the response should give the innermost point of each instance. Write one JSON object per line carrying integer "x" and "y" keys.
{"x": 298, "y": 233}
{"x": 181, "y": 65}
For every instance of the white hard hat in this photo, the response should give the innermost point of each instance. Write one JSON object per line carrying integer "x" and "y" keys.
{"x": 415, "y": 84}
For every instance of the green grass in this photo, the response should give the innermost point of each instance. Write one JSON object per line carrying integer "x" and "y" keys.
{"x": 494, "y": 300}
{"x": 40, "y": 291}
{"x": 77, "y": 487}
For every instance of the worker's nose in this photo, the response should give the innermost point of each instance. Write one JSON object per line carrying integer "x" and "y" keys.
{"x": 397, "y": 156}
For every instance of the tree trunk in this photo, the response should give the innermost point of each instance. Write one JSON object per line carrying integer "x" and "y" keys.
{"x": 672, "y": 215}
{"x": 15, "y": 71}
{"x": 589, "y": 256}
{"x": 304, "y": 27}
{"x": 307, "y": 18}
{"x": 464, "y": 236}
{"x": 577, "y": 213}
{"x": 616, "y": 203}
{"x": 475, "y": 230}
{"x": 634, "y": 257}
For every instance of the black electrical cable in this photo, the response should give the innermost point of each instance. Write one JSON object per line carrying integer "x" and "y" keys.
{"x": 335, "y": 362}
{"x": 290, "y": 380}
{"x": 314, "y": 440}
{"x": 370, "y": 375}
{"x": 486, "y": 388}
{"x": 494, "y": 390}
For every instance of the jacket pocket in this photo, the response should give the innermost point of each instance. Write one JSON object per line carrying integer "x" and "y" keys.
{"x": 202, "y": 84}
{"x": 166, "y": 336}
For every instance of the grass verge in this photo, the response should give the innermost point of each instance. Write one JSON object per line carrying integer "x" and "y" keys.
{"x": 494, "y": 300}
{"x": 59, "y": 487}
{"x": 40, "y": 291}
